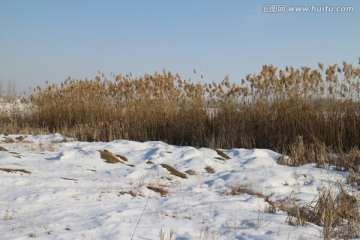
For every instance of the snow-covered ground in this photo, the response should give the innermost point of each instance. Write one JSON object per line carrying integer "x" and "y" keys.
{"x": 70, "y": 192}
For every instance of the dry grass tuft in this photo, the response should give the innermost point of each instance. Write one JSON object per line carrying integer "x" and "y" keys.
{"x": 32, "y": 234}
{"x": 20, "y": 138}
{"x": 210, "y": 169}
{"x": 190, "y": 172}
{"x": 272, "y": 205}
{"x": 122, "y": 157}
{"x": 346, "y": 161}
{"x": 10, "y": 215}
{"x": 353, "y": 179}
{"x": 222, "y": 154}
{"x": 109, "y": 157}
{"x": 338, "y": 214}
{"x": 3, "y": 149}
{"x": 131, "y": 193}
{"x": 163, "y": 192}
{"x": 14, "y": 170}
{"x": 69, "y": 179}
{"x": 174, "y": 171}
{"x": 302, "y": 153}
{"x": 245, "y": 189}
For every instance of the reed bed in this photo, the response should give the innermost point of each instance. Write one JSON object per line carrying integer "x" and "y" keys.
{"x": 272, "y": 109}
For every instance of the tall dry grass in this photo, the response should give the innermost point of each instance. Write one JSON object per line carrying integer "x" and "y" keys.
{"x": 271, "y": 109}
{"x": 154, "y": 107}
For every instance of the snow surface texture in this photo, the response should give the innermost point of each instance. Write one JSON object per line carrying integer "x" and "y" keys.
{"x": 72, "y": 193}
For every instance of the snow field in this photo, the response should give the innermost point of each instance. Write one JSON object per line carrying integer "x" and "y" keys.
{"x": 71, "y": 193}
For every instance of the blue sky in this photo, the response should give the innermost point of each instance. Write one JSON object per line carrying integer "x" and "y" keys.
{"x": 49, "y": 40}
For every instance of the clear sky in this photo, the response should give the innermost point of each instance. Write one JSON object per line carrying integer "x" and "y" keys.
{"x": 50, "y": 40}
